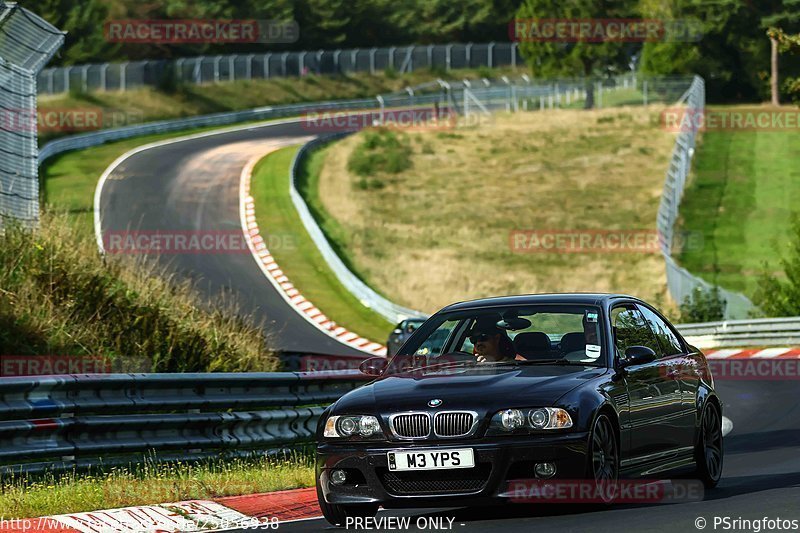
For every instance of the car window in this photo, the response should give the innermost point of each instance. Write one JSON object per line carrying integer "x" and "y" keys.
{"x": 631, "y": 329}
{"x": 670, "y": 345}
{"x": 433, "y": 345}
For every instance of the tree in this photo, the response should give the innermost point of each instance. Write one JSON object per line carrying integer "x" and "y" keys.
{"x": 785, "y": 43}
{"x": 577, "y": 58}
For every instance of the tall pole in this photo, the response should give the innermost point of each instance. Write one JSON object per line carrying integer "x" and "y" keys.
{"x": 774, "y": 80}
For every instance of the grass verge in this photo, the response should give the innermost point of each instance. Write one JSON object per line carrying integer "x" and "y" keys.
{"x": 440, "y": 230}
{"x": 744, "y": 187}
{"x": 296, "y": 253}
{"x": 59, "y": 296}
{"x": 24, "y": 497}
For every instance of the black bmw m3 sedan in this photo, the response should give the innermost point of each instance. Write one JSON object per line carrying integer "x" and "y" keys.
{"x": 590, "y": 387}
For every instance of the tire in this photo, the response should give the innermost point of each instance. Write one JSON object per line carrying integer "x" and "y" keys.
{"x": 337, "y": 514}
{"x": 709, "y": 450}
{"x": 603, "y": 460}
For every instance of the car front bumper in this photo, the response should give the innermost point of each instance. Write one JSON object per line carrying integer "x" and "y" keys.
{"x": 498, "y": 460}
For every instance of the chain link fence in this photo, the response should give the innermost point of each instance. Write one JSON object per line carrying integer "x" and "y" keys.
{"x": 26, "y": 43}
{"x": 682, "y": 284}
{"x": 215, "y": 69}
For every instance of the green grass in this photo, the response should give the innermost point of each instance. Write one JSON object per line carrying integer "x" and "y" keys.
{"x": 59, "y": 296}
{"x": 296, "y": 253}
{"x": 744, "y": 188}
{"x": 25, "y": 497}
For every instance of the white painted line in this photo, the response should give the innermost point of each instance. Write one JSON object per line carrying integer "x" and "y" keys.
{"x": 727, "y": 425}
{"x": 769, "y": 353}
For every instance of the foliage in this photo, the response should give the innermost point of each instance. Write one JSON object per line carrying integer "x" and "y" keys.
{"x": 382, "y": 150}
{"x": 703, "y": 305}
{"x": 59, "y": 296}
{"x": 779, "y": 294}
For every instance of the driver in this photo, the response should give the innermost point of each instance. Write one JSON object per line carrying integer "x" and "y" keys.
{"x": 491, "y": 342}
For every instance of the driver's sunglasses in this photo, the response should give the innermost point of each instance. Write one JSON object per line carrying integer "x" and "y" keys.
{"x": 481, "y": 337}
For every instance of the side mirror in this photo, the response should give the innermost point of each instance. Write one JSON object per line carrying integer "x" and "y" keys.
{"x": 638, "y": 355}
{"x": 374, "y": 366}
{"x": 397, "y": 331}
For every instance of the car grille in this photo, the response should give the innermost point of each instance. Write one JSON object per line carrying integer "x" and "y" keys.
{"x": 453, "y": 424}
{"x": 412, "y": 426}
{"x": 457, "y": 481}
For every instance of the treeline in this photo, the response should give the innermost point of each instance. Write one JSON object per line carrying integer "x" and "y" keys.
{"x": 732, "y": 53}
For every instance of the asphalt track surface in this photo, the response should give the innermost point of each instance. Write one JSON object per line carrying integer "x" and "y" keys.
{"x": 193, "y": 186}
{"x": 761, "y": 478}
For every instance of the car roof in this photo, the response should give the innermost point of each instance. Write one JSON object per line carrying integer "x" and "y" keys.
{"x": 585, "y": 298}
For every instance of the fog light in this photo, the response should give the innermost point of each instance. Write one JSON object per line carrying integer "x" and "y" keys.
{"x": 338, "y": 477}
{"x": 544, "y": 470}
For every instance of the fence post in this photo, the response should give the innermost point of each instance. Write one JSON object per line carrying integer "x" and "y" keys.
{"x": 391, "y": 57}
{"x": 66, "y": 78}
{"x": 301, "y": 63}
{"x": 372, "y": 53}
{"x": 514, "y": 47}
{"x": 231, "y": 68}
{"x": 489, "y": 55}
{"x": 319, "y": 55}
{"x": 265, "y": 64}
{"x": 50, "y": 84}
{"x": 644, "y": 91}
{"x": 448, "y": 52}
{"x": 336, "y": 65}
{"x": 104, "y": 77}
{"x": 197, "y": 70}
{"x": 123, "y": 74}
{"x": 430, "y": 56}
{"x": 284, "y": 58}
{"x": 468, "y": 53}
{"x": 216, "y": 68}
{"x": 354, "y": 59}
{"x": 249, "y": 67}
{"x": 85, "y": 78}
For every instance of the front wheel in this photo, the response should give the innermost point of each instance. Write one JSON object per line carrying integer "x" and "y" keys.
{"x": 603, "y": 464}
{"x": 338, "y": 514}
{"x": 709, "y": 451}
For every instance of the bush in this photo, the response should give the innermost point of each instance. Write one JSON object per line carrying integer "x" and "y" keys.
{"x": 779, "y": 295}
{"x": 703, "y": 306}
{"x": 381, "y": 150}
{"x": 60, "y": 296}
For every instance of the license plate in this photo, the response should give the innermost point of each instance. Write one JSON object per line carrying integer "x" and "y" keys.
{"x": 431, "y": 459}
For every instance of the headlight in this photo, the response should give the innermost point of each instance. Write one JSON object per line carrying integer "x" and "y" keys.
{"x": 352, "y": 425}
{"x": 542, "y": 418}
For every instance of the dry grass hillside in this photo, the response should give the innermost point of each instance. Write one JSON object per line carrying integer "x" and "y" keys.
{"x": 434, "y": 226}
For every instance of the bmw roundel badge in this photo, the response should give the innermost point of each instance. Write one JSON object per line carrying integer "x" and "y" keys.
{"x": 436, "y": 402}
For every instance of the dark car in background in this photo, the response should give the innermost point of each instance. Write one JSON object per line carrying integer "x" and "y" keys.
{"x": 401, "y": 334}
{"x": 587, "y": 387}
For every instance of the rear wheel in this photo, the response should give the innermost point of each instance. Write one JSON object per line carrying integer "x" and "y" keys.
{"x": 338, "y": 514}
{"x": 709, "y": 450}
{"x": 603, "y": 465}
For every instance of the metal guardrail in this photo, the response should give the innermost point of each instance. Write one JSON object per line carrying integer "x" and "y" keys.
{"x": 76, "y": 421}
{"x": 220, "y": 68}
{"x": 743, "y": 333}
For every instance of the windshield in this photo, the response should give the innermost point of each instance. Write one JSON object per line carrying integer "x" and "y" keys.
{"x": 541, "y": 334}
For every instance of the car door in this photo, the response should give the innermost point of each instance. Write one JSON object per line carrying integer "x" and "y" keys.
{"x": 654, "y": 402}
{"x": 680, "y": 367}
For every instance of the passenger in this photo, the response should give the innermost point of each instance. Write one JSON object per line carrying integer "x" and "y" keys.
{"x": 491, "y": 342}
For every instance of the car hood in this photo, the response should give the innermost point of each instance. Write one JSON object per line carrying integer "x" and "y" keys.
{"x": 476, "y": 389}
